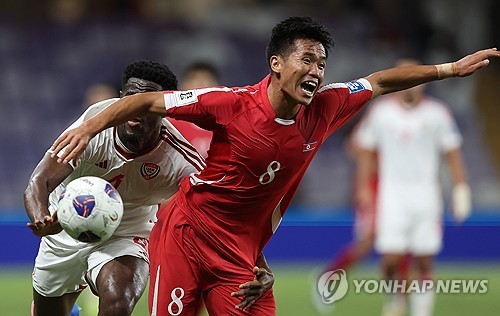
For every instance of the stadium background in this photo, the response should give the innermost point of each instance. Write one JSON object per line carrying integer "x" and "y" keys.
{"x": 51, "y": 52}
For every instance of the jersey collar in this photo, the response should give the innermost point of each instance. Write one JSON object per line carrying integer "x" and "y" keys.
{"x": 126, "y": 153}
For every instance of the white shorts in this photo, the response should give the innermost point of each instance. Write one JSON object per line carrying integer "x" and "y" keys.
{"x": 64, "y": 265}
{"x": 414, "y": 228}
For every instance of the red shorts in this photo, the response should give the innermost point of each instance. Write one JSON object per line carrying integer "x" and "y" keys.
{"x": 183, "y": 268}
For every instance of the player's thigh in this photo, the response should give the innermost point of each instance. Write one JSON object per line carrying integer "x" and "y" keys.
{"x": 218, "y": 301}
{"x": 392, "y": 230}
{"x": 106, "y": 258}
{"x": 58, "y": 267}
{"x": 427, "y": 235}
{"x": 122, "y": 279}
{"x": 174, "y": 275}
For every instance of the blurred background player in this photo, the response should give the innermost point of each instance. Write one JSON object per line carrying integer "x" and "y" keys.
{"x": 199, "y": 74}
{"x": 144, "y": 159}
{"x": 99, "y": 92}
{"x": 364, "y": 199}
{"x": 407, "y": 133}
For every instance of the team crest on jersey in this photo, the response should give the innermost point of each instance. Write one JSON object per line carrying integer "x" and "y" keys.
{"x": 354, "y": 86}
{"x": 310, "y": 146}
{"x": 149, "y": 170}
{"x": 185, "y": 97}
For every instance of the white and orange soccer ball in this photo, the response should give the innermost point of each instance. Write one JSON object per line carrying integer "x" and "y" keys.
{"x": 90, "y": 209}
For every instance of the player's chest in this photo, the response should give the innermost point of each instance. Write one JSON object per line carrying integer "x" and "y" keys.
{"x": 261, "y": 142}
{"x": 407, "y": 129}
{"x": 136, "y": 180}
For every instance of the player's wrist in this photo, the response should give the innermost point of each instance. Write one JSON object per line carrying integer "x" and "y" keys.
{"x": 447, "y": 70}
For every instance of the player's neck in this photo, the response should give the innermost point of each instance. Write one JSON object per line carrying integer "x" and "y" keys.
{"x": 138, "y": 144}
{"x": 284, "y": 107}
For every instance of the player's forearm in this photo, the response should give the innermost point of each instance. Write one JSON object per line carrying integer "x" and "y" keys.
{"x": 36, "y": 199}
{"x": 126, "y": 109}
{"x": 456, "y": 166}
{"x": 401, "y": 78}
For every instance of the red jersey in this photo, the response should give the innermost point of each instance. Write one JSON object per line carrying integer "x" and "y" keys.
{"x": 256, "y": 160}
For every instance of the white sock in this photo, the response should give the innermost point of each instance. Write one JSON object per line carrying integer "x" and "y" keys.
{"x": 422, "y": 304}
{"x": 395, "y": 305}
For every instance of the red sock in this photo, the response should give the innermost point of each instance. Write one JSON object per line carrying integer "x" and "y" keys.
{"x": 342, "y": 261}
{"x": 404, "y": 267}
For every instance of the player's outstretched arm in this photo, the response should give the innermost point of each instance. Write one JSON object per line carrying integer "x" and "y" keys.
{"x": 401, "y": 78}
{"x": 253, "y": 290}
{"x": 75, "y": 140}
{"x": 47, "y": 175}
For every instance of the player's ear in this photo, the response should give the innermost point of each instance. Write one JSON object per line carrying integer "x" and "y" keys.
{"x": 276, "y": 63}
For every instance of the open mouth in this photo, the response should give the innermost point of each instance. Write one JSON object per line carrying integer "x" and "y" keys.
{"x": 134, "y": 122}
{"x": 308, "y": 87}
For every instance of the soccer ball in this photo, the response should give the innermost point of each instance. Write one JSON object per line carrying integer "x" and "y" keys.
{"x": 90, "y": 209}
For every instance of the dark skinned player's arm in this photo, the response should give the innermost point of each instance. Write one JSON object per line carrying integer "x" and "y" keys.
{"x": 47, "y": 175}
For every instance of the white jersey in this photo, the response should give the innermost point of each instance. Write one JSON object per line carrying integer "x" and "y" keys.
{"x": 143, "y": 180}
{"x": 409, "y": 142}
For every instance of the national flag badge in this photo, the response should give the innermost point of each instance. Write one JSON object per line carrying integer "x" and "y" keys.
{"x": 310, "y": 146}
{"x": 149, "y": 170}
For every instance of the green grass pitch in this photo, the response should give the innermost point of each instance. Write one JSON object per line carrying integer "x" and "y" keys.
{"x": 293, "y": 290}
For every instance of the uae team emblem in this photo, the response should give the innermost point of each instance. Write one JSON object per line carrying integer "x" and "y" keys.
{"x": 149, "y": 170}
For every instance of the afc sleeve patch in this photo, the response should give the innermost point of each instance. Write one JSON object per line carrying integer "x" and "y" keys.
{"x": 355, "y": 86}
{"x": 185, "y": 97}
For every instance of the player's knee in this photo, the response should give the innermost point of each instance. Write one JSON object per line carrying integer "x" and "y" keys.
{"x": 117, "y": 307}
{"x": 118, "y": 303}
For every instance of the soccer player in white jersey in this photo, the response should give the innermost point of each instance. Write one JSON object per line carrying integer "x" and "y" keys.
{"x": 144, "y": 159}
{"x": 409, "y": 132}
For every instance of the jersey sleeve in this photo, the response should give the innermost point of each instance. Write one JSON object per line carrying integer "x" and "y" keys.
{"x": 338, "y": 102}
{"x": 208, "y": 108}
{"x": 449, "y": 136}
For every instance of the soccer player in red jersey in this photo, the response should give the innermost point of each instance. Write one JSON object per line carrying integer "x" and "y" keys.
{"x": 211, "y": 236}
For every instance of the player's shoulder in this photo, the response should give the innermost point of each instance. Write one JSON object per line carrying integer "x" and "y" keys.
{"x": 435, "y": 106}
{"x": 177, "y": 148}
{"x": 383, "y": 104}
{"x": 95, "y": 108}
{"x": 353, "y": 86}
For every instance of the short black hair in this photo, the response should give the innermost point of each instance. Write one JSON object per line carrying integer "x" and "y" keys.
{"x": 286, "y": 32}
{"x": 201, "y": 65}
{"x": 151, "y": 71}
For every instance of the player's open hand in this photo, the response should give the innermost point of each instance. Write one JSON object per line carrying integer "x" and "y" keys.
{"x": 253, "y": 290}
{"x": 49, "y": 225}
{"x": 71, "y": 143}
{"x": 470, "y": 63}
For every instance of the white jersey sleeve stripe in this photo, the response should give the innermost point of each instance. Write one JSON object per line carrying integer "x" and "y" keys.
{"x": 190, "y": 150}
{"x": 337, "y": 85}
{"x": 189, "y": 156}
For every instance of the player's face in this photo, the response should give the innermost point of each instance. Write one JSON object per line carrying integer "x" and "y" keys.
{"x": 140, "y": 129}
{"x": 303, "y": 70}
